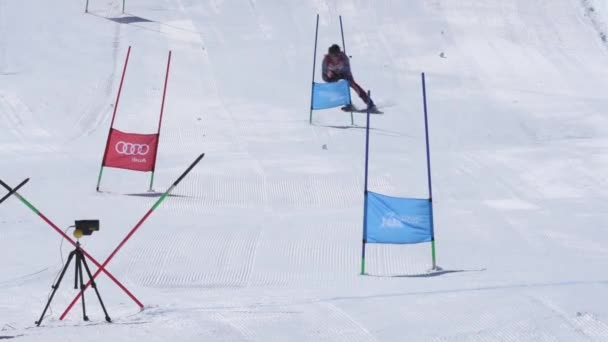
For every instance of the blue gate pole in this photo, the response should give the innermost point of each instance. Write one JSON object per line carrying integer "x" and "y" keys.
{"x": 314, "y": 64}
{"x": 428, "y": 169}
{"x": 352, "y": 117}
{"x": 365, "y": 191}
{"x": 86, "y": 7}
{"x": 123, "y": 6}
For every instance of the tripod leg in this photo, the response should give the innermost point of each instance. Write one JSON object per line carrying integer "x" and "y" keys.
{"x": 94, "y": 286}
{"x": 55, "y": 287}
{"x": 79, "y": 261}
{"x": 76, "y": 273}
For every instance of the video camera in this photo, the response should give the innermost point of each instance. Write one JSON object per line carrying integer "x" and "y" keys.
{"x": 86, "y": 227}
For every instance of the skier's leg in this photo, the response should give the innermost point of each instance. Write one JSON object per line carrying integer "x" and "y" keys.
{"x": 360, "y": 91}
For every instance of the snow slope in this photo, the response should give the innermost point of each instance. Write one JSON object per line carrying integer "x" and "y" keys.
{"x": 263, "y": 241}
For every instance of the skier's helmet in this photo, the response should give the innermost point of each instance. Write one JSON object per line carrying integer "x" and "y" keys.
{"x": 334, "y": 49}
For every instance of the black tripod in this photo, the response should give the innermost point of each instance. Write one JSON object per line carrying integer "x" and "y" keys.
{"x": 78, "y": 279}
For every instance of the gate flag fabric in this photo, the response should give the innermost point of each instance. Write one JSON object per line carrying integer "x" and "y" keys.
{"x": 131, "y": 151}
{"x": 329, "y": 95}
{"x": 397, "y": 220}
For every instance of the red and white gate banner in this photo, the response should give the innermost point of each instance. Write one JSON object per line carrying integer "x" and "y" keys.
{"x": 131, "y": 151}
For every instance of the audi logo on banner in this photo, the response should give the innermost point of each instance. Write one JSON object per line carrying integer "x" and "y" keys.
{"x": 131, "y": 149}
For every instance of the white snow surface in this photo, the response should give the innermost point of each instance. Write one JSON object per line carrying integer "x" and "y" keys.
{"x": 262, "y": 240}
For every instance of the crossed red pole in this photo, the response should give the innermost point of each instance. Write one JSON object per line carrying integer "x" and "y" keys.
{"x": 12, "y": 191}
{"x": 65, "y": 236}
{"x": 130, "y": 234}
{"x": 101, "y": 267}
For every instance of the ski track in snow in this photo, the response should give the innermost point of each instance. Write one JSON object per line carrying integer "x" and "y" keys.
{"x": 21, "y": 123}
{"x": 3, "y": 61}
{"x": 598, "y": 25}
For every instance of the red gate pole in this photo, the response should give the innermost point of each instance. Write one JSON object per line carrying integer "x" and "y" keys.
{"x": 160, "y": 120}
{"x": 122, "y": 79}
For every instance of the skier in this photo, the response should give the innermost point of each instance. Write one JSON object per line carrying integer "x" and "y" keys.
{"x": 336, "y": 66}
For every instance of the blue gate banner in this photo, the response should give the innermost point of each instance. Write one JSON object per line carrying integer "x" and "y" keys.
{"x": 397, "y": 220}
{"x": 329, "y": 95}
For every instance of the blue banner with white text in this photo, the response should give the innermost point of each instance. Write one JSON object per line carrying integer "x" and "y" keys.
{"x": 395, "y": 220}
{"x": 329, "y": 95}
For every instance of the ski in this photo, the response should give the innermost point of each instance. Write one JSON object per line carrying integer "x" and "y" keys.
{"x": 363, "y": 111}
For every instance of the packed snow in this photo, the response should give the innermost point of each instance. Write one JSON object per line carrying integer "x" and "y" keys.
{"x": 262, "y": 241}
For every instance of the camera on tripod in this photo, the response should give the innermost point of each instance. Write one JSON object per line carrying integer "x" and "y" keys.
{"x": 81, "y": 227}
{"x": 85, "y": 227}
